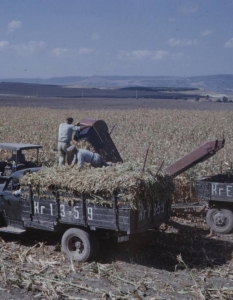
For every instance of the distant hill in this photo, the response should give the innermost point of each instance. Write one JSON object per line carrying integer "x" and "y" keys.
{"x": 218, "y": 83}
{"x": 12, "y": 89}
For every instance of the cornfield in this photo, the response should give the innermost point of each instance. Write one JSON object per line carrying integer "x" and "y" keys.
{"x": 168, "y": 134}
{"x": 151, "y": 268}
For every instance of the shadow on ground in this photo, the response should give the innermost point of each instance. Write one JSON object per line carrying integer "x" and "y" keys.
{"x": 160, "y": 249}
{"x": 156, "y": 249}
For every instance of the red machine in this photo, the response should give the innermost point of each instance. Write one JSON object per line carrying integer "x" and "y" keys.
{"x": 99, "y": 137}
{"x": 198, "y": 155}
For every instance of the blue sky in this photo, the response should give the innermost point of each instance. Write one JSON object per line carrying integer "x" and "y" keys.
{"x": 55, "y": 38}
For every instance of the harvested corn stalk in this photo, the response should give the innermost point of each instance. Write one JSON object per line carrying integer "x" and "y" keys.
{"x": 99, "y": 184}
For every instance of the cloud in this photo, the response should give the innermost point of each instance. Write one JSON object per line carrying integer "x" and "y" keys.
{"x": 95, "y": 36}
{"x": 29, "y": 48}
{"x": 229, "y": 44}
{"x": 3, "y": 45}
{"x": 189, "y": 9}
{"x": 84, "y": 51}
{"x": 142, "y": 54}
{"x": 206, "y": 32}
{"x": 61, "y": 52}
{"x": 70, "y": 52}
{"x": 172, "y": 20}
{"x": 182, "y": 43}
{"x": 13, "y": 25}
{"x": 158, "y": 55}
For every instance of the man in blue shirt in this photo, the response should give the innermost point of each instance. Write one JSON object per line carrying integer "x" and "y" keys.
{"x": 81, "y": 156}
{"x": 65, "y": 134}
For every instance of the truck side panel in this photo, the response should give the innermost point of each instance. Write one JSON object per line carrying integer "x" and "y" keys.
{"x": 215, "y": 191}
{"x": 106, "y": 217}
{"x": 71, "y": 213}
{"x": 148, "y": 217}
{"x": 44, "y": 209}
{"x": 41, "y": 212}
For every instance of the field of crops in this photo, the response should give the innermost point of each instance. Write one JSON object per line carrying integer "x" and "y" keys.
{"x": 168, "y": 134}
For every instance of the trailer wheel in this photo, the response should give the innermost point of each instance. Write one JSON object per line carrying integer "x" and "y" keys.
{"x": 76, "y": 244}
{"x": 220, "y": 220}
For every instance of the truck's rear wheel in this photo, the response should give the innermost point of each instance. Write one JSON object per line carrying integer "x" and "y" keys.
{"x": 220, "y": 220}
{"x": 76, "y": 244}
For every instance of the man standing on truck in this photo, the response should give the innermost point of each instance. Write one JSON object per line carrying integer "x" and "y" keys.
{"x": 81, "y": 156}
{"x": 64, "y": 138}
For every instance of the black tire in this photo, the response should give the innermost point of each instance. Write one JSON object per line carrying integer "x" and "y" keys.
{"x": 95, "y": 245}
{"x": 220, "y": 220}
{"x": 76, "y": 244}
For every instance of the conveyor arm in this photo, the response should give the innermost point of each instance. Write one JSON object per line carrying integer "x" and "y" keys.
{"x": 198, "y": 155}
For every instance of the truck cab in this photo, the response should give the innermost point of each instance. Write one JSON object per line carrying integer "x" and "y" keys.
{"x": 16, "y": 159}
{"x": 11, "y": 204}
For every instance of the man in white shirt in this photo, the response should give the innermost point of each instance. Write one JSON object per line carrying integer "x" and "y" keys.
{"x": 64, "y": 138}
{"x": 17, "y": 192}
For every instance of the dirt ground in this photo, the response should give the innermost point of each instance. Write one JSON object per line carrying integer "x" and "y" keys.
{"x": 182, "y": 261}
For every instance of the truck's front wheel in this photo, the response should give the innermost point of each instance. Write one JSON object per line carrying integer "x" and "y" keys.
{"x": 76, "y": 244}
{"x": 220, "y": 220}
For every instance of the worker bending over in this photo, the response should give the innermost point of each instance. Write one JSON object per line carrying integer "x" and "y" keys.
{"x": 82, "y": 156}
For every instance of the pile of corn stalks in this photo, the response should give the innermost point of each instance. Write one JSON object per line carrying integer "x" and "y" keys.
{"x": 132, "y": 186}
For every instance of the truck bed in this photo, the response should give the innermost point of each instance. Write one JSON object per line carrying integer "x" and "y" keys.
{"x": 215, "y": 188}
{"x": 51, "y": 213}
